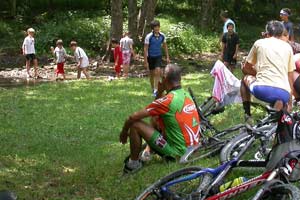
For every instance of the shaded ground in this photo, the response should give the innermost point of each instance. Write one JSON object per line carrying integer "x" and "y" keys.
{"x": 17, "y": 76}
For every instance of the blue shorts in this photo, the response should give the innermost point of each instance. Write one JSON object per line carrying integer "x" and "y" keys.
{"x": 269, "y": 94}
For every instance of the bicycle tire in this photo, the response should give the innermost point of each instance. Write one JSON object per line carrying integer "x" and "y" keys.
{"x": 227, "y": 151}
{"x": 153, "y": 191}
{"x": 198, "y": 152}
{"x": 280, "y": 192}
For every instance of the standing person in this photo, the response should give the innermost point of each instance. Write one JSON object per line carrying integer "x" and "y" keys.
{"x": 268, "y": 70}
{"x": 126, "y": 44}
{"x": 29, "y": 52}
{"x": 117, "y": 56}
{"x": 178, "y": 122}
{"x": 225, "y": 18}
{"x": 288, "y": 25}
{"x": 153, "y": 54}
{"x": 81, "y": 59}
{"x": 60, "y": 54}
{"x": 230, "y": 47}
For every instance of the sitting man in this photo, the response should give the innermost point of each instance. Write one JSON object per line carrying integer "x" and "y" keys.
{"x": 268, "y": 70}
{"x": 177, "y": 117}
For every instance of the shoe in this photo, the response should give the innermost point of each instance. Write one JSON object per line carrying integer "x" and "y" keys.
{"x": 131, "y": 166}
{"x": 145, "y": 156}
{"x": 154, "y": 94}
{"x": 249, "y": 120}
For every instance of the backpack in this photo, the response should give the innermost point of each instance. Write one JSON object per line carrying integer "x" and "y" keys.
{"x": 287, "y": 144}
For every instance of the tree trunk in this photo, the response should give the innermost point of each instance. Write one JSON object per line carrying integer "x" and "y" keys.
{"x": 206, "y": 10}
{"x": 150, "y": 15}
{"x": 132, "y": 19}
{"x": 142, "y": 18}
{"x": 13, "y": 8}
{"x": 116, "y": 19}
{"x": 116, "y": 29}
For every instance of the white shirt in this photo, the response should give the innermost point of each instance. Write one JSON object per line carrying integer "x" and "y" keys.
{"x": 79, "y": 53}
{"x": 60, "y": 54}
{"x": 28, "y": 45}
{"x": 125, "y": 43}
{"x": 225, "y": 25}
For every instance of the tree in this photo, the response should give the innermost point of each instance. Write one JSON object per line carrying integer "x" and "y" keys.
{"x": 146, "y": 15}
{"x": 13, "y": 8}
{"x": 132, "y": 19}
{"x": 116, "y": 19}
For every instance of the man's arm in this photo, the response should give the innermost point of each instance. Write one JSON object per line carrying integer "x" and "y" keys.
{"x": 248, "y": 69}
{"x": 222, "y": 50}
{"x": 131, "y": 119}
{"x": 165, "y": 46}
{"x": 236, "y": 51}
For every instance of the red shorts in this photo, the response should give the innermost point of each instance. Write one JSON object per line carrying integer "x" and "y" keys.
{"x": 118, "y": 68}
{"x": 60, "y": 68}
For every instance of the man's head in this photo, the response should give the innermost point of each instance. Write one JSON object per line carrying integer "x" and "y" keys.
{"x": 274, "y": 28}
{"x": 224, "y": 15}
{"x": 172, "y": 76}
{"x": 230, "y": 27}
{"x": 155, "y": 26}
{"x": 73, "y": 45}
{"x": 114, "y": 42}
{"x": 30, "y": 31}
{"x": 284, "y": 14}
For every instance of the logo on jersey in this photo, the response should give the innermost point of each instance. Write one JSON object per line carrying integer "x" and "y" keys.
{"x": 188, "y": 109}
{"x": 160, "y": 142}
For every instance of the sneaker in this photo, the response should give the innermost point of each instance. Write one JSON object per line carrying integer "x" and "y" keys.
{"x": 249, "y": 120}
{"x": 145, "y": 156}
{"x": 154, "y": 93}
{"x": 131, "y": 166}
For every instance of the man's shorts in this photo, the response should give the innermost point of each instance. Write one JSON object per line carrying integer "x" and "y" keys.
{"x": 229, "y": 59}
{"x": 30, "y": 57}
{"x": 269, "y": 94}
{"x": 126, "y": 57}
{"x": 161, "y": 146}
{"x": 154, "y": 62}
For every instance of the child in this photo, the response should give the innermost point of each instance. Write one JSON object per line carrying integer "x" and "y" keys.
{"x": 60, "y": 54}
{"x": 117, "y": 56}
{"x": 230, "y": 47}
{"x": 127, "y": 50}
{"x": 288, "y": 25}
{"x": 29, "y": 52}
{"x": 82, "y": 60}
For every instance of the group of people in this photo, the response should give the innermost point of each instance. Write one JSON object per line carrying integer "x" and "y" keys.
{"x": 80, "y": 56}
{"x": 269, "y": 74}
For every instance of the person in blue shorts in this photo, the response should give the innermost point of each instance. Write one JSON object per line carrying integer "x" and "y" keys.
{"x": 268, "y": 70}
{"x": 153, "y": 54}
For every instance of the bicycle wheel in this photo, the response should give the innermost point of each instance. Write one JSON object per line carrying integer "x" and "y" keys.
{"x": 198, "y": 152}
{"x": 184, "y": 190}
{"x": 279, "y": 191}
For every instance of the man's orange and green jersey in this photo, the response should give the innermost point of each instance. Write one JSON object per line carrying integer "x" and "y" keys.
{"x": 178, "y": 119}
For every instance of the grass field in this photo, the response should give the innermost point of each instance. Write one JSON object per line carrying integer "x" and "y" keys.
{"x": 60, "y": 140}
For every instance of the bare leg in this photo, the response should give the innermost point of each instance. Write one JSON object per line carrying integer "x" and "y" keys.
{"x": 125, "y": 70}
{"x": 28, "y": 67}
{"x": 157, "y": 76}
{"x": 35, "y": 64}
{"x": 152, "y": 79}
{"x": 78, "y": 73}
{"x": 86, "y": 73}
{"x": 245, "y": 93}
{"x": 278, "y": 105}
{"x": 138, "y": 131}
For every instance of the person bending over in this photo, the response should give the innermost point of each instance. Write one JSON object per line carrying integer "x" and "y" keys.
{"x": 268, "y": 70}
{"x": 177, "y": 118}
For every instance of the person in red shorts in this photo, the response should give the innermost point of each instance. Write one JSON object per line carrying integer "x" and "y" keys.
{"x": 178, "y": 123}
{"x": 117, "y": 56}
{"x": 60, "y": 54}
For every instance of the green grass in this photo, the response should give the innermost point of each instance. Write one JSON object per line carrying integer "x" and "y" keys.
{"x": 61, "y": 140}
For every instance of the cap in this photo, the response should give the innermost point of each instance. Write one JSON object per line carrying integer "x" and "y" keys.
{"x": 282, "y": 12}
